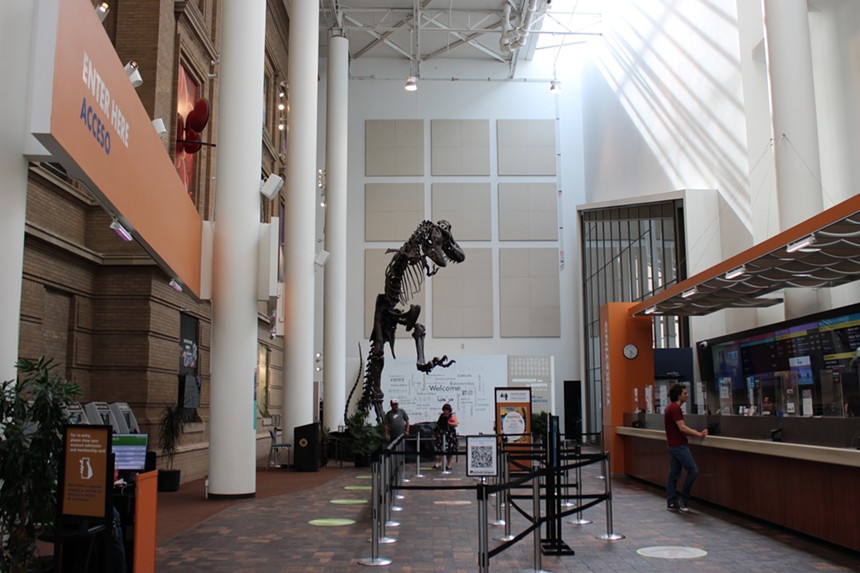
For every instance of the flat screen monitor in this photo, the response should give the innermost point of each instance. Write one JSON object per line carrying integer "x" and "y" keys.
{"x": 130, "y": 452}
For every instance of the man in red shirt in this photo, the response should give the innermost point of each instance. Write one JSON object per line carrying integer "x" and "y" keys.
{"x": 679, "y": 452}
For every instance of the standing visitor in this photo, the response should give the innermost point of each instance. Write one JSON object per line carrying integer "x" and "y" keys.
{"x": 679, "y": 452}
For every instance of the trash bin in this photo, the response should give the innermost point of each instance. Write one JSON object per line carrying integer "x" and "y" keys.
{"x": 307, "y": 448}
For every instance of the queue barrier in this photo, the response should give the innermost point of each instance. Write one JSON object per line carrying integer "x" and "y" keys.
{"x": 532, "y": 471}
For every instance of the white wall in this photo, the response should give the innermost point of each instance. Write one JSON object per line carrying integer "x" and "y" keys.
{"x": 676, "y": 97}
{"x": 673, "y": 97}
{"x": 468, "y": 99}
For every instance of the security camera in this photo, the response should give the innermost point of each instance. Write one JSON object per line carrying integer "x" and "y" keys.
{"x": 271, "y": 187}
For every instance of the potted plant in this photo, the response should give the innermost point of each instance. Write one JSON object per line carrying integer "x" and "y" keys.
{"x": 364, "y": 438}
{"x": 170, "y": 428}
{"x": 33, "y": 413}
{"x": 540, "y": 421}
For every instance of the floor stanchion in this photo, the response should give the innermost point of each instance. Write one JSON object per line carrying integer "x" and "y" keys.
{"x": 483, "y": 534}
{"x": 418, "y": 473}
{"x": 503, "y": 460}
{"x": 579, "y": 520}
{"x": 609, "y": 535}
{"x": 374, "y": 560}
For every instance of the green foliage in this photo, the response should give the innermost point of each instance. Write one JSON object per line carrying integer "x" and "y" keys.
{"x": 540, "y": 422}
{"x": 170, "y": 428}
{"x": 364, "y": 437}
{"x": 32, "y": 415}
{"x": 325, "y": 441}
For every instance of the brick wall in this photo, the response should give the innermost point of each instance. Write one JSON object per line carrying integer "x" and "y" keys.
{"x": 100, "y": 306}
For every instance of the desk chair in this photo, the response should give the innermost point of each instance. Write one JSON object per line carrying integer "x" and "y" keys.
{"x": 275, "y": 449}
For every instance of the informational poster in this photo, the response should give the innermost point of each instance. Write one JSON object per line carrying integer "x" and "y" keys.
{"x": 467, "y": 385}
{"x": 481, "y": 456}
{"x": 513, "y": 414}
{"x": 85, "y": 484}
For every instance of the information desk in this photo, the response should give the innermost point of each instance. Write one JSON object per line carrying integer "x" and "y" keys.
{"x": 810, "y": 489}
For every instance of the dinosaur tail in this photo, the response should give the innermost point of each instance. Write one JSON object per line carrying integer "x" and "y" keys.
{"x": 354, "y": 386}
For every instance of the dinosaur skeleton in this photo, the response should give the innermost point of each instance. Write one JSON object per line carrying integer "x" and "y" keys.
{"x": 429, "y": 248}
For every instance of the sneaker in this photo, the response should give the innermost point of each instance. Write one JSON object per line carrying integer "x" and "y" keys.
{"x": 673, "y": 506}
{"x": 437, "y": 466}
{"x": 447, "y": 468}
{"x": 682, "y": 507}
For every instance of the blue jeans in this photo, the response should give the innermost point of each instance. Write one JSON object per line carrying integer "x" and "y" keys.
{"x": 680, "y": 456}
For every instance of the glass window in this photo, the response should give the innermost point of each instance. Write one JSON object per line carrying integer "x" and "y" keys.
{"x": 629, "y": 254}
{"x": 185, "y": 100}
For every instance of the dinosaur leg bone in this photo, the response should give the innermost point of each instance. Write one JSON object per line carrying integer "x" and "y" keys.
{"x": 422, "y": 365}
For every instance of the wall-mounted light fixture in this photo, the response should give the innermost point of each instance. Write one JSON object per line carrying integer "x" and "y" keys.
{"x": 121, "y": 231}
{"x": 282, "y": 91}
{"x": 102, "y": 11}
{"x": 651, "y": 310}
{"x": 411, "y": 84}
{"x": 133, "y": 74}
{"x": 801, "y": 244}
{"x": 175, "y": 285}
{"x": 735, "y": 273}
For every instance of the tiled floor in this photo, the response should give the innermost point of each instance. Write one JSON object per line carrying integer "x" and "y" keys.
{"x": 438, "y": 531}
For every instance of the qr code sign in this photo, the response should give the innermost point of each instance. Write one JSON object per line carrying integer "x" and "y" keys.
{"x": 482, "y": 457}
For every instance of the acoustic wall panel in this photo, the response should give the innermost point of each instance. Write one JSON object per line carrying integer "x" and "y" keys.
{"x": 463, "y": 297}
{"x": 528, "y": 212}
{"x": 460, "y": 147}
{"x": 375, "y": 262}
{"x": 466, "y": 206}
{"x": 392, "y": 211}
{"x": 529, "y": 299}
{"x": 393, "y": 147}
{"x": 526, "y": 146}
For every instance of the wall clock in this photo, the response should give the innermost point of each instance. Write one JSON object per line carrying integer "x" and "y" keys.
{"x": 630, "y": 351}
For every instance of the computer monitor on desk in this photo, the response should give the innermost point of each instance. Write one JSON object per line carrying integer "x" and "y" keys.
{"x": 130, "y": 453}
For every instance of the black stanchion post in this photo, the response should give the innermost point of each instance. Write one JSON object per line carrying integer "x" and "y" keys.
{"x": 483, "y": 534}
{"x": 609, "y": 535}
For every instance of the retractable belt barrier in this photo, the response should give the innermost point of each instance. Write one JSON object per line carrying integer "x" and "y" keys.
{"x": 549, "y": 484}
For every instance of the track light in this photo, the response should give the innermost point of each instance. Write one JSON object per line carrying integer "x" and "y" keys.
{"x": 689, "y": 292}
{"x": 160, "y": 129}
{"x": 102, "y": 11}
{"x": 271, "y": 187}
{"x": 555, "y": 87}
{"x": 282, "y": 92}
{"x": 411, "y": 84}
{"x": 735, "y": 273}
{"x": 133, "y": 73}
{"x": 121, "y": 231}
{"x": 175, "y": 285}
{"x": 802, "y": 244}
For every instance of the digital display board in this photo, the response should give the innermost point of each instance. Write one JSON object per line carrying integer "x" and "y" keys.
{"x": 803, "y": 367}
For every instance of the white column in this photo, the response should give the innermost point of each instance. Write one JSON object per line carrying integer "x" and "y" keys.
{"x": 232, "y": 443}
{"x": 300, "y": 228}
{"x": 15, "y": 29}
{"x": 334, "y": 334}
{"x": 795, "y": 128}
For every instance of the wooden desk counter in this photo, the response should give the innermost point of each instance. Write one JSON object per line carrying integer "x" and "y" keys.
{"x": 810, "y": 489}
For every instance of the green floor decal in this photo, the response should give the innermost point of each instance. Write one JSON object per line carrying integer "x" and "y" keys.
{"x": 331, "y": 522}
